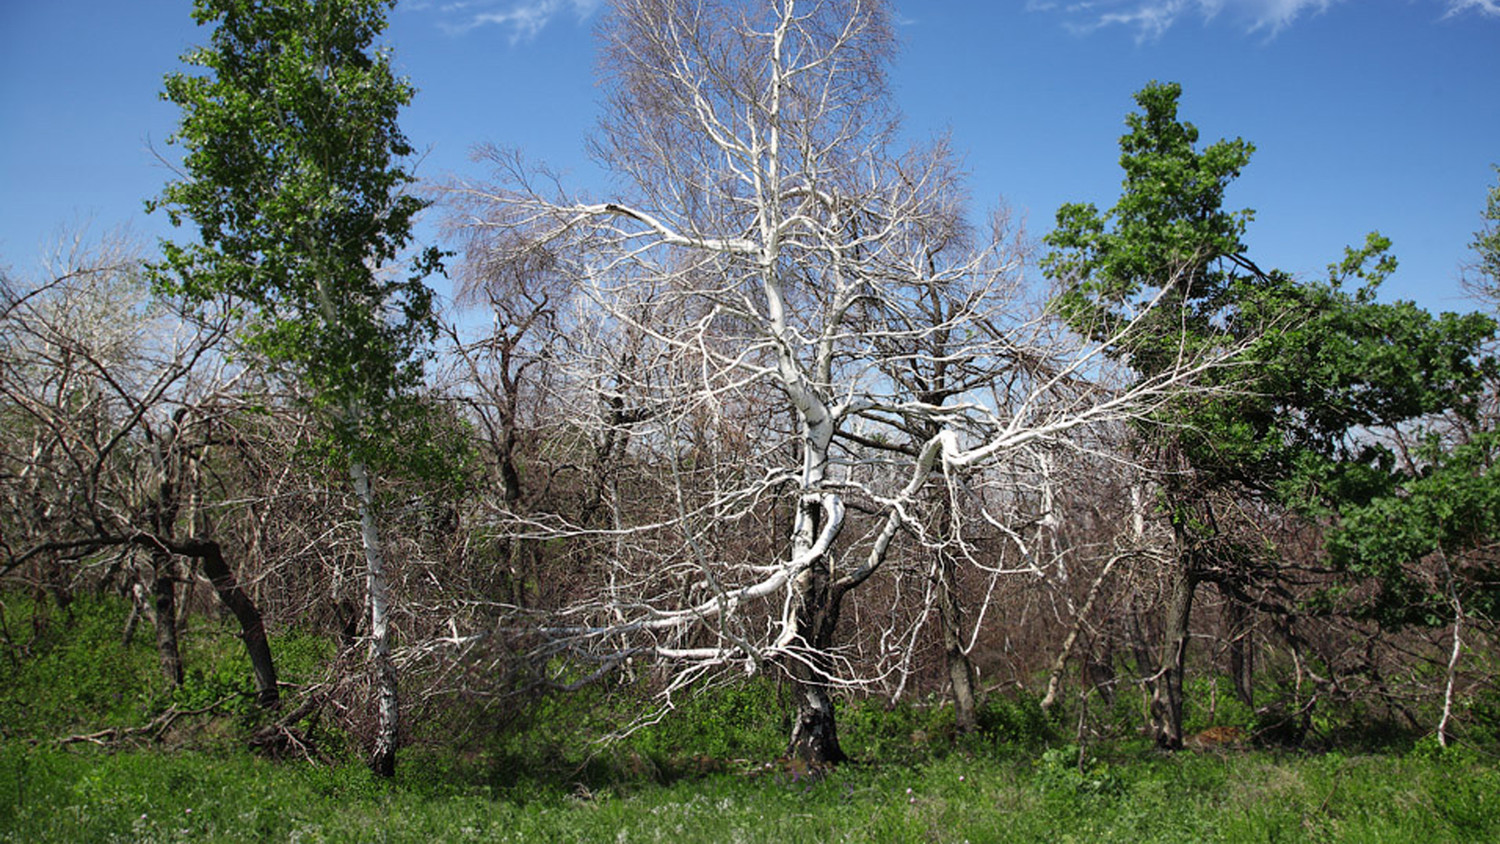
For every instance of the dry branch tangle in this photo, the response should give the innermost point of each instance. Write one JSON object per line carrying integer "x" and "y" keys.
{"x": 813, "y": 298}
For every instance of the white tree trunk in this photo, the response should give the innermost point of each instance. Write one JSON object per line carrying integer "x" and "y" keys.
{"x": 383, "y": 756}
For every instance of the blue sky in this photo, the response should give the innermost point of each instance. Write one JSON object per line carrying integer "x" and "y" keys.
{"x": 1366, "y": 114}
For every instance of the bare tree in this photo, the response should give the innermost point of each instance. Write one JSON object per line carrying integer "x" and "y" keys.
{"x": 787, "y": 278}
{"x": 110, "y": 395}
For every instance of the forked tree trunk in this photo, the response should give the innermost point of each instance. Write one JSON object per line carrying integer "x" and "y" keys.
{"x": 383, "y": 755}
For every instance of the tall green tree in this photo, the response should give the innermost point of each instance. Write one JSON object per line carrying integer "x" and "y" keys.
{"x": 1167, "y": 241}
{"x": 1325, "y": 364}
{"x": 294, "y": 177}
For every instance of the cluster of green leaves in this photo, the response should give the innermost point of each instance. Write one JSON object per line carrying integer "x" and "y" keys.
{"x": 1323, "y": 367}
{"x": 67, "y": 670}
{"x": 1167, "y": 240}
{"x": 1451, "y": 507}
{"x": 295, "y": 182}
{"x": 1486, "y": 246}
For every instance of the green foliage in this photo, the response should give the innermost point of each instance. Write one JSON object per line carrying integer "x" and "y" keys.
{"x": 1015, "y": 721}
{"x": 1452, "y": 506}
{"x": 743, "y": 720}
{"x": 1326, "y": 367}
{"x": 1068, "y": 773}
{"x": 294, "y": 182}
{"x": 1166, "y": 237}
{"x": 70, "y": 671}
{"x": 654, "y": 784}
{"x": 51, "y": 795}
{"x": 1486, "y": 246}
{"x": 1211, "y": 702}
{"x": 73, "y": 674}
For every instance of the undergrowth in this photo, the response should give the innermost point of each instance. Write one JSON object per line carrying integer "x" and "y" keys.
{"x": 710, "y": 770}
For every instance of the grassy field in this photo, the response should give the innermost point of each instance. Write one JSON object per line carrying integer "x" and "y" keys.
{"x": 709, "y": 773}
{"x": 88, "y": 795}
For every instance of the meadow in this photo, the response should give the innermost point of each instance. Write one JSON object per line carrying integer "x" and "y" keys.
{"x": 87, "y": 754}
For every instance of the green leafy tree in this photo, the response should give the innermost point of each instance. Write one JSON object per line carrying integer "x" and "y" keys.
{"x": 294, "y": 179}
{"x": 1325, "y": 365}
{"x": 1428, "y": 539}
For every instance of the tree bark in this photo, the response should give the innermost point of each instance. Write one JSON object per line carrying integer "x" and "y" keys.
{"x": 164, "y": 596}
{"x": 960, "y": 667}
{"x": 383, "y": 755}
{"x": 816, "y": 610}
{"x": 815, "y": 735}
{"x": 1241, "y": 650}
{"x": 252, "y": 627}
{"x": 1166, "y": 696}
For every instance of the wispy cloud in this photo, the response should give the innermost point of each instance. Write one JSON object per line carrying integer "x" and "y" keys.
{"x": 1483, "y": 7}
{"x": 523, "y": 19}
{"x": 1151, "y": 18}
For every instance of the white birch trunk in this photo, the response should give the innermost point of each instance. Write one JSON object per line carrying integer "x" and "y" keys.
{"x": 383, "y": 756}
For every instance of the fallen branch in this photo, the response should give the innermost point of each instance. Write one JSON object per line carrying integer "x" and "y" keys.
{"x": 152, "y": 731}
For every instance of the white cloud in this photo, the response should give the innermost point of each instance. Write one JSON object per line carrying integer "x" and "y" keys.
{"x": 523, "y": 18}
{"x": 1484, "y": 7}
{"x": 1152, "y": 18}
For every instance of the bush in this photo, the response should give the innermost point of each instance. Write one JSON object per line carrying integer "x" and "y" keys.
{"x": 74, "y": 672}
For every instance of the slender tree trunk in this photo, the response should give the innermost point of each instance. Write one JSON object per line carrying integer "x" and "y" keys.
{"x": 1054, "y": 679}
{"x": 139, "y": 606}
{"x": 1444, "y": 726}
{"x": 164, "y": 596}
{"x": 383, "y": 755}
{"x": 950, "y": 616}
{"x": 1166, "y": 697}
{"x": 1241, "y": 650}
{"x": 960, "y": 667}
{"x": 252, "y": 627}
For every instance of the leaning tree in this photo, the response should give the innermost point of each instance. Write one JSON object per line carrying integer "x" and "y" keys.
{"x": 112, "y": 399}
{"x": 1329, "y": 372}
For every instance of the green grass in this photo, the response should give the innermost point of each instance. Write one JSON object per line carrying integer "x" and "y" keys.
{"x": 48, "y": 794}
{"x": 707, "y": 772}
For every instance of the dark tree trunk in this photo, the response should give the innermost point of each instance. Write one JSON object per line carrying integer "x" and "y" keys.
{"x": 814, "y": 731}
{"x": 1166, "y": 697}
{"x": 815, "y": 735}
{"x": 1241, "y": 650}
{"x": 164, "y": 596}
{"x": 252, "y": 628}
{"x": 951, "y": 618}
{"x": 960, "y": 668}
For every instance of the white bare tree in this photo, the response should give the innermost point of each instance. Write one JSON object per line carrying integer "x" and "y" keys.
{"x": 815, "y": 333}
